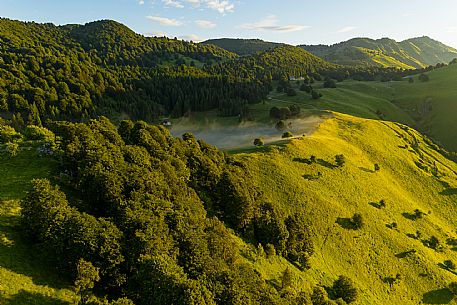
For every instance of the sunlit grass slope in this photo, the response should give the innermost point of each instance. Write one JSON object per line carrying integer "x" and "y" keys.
{"x": 25, "y": 277}
{"x": 412, "y": 176}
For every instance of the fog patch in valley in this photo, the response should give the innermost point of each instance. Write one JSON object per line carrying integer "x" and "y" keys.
{"x": 243, "y": 134}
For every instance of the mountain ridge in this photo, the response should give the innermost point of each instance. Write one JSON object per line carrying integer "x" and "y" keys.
{"x": 413, "y": 53}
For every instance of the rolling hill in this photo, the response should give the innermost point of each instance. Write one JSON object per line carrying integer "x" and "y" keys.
{"x": 408, "y": 54}
{"x": 430, "y": 106}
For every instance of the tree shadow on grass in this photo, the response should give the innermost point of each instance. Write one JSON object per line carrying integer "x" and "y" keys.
{"x": 449, "y": 192}
{"x": 303, "y": 160}
{"x": 18, "y": 255}
{"x": 346, "y": 223}
{"x": 366, "y": 170}
{"x": 326, "y": 163}
{"x": 405, "y": 254}
{"x": 439, "y": 296}
{"x": 29, "y": 298}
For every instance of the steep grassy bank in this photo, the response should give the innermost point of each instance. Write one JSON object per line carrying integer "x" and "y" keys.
{"x": 388, "y": 257}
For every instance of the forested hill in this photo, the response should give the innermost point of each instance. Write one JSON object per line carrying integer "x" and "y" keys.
{"x": 408, "y": 54}
{"x": 275, "y": 63}
{"x": 78, "y": 71}
{"x": 243, "y": 46}
{"x": 117, "y": 44}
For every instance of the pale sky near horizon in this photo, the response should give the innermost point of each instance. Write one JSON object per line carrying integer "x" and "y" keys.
{"x": 289, "y": 21}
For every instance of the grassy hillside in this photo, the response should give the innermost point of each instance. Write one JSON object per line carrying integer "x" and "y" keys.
{"x": 25, "y": 278}
{"x": 427, "y": 106}
{"x": 411, "y": 176}
{"x": 408, "y": 54}
{"x": 432, "y": 104}
{"x": 243, "y": 46}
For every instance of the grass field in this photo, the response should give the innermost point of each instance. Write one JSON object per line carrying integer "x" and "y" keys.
{"x": 410, "y": 177}
{"x": 25, "y": 277}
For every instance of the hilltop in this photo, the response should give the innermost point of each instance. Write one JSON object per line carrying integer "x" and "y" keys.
{"x": 243, "y": 47}
{"x": 408, "y": 54}
{"x": 277, "y": 63}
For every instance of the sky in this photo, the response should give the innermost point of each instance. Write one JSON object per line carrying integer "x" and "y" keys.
{"x": 288, "y": 21}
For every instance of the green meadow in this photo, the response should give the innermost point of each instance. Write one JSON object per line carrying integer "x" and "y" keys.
{"x": 389, "y": 258}
{"x": 25, "y": 276}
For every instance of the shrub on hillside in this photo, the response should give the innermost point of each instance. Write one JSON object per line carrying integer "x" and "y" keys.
{"x": 36, "y": 133}
{"x": 316, "y": 95}
{"x": 291, "y": 92}
{"x": 258, "y": 142}
{"x": 275, "y": 113}
{"x": 287, "y": 135}
{"x": 424, "y": 77}
{"x": 344, "y": 288}
{"x": 357, "y": 221}
{"x": 294, "y": 110}
{"x": 8, "y": 134}
{"x": 280, "y": 125}
{"x": 306, "y": 88}
{"x": 453, "y": 288}
{"x": 329, "y": 83}
{"x": 432, "y": 243}
{"x": 340, "y": 160}
{"x": 12, "y": 149}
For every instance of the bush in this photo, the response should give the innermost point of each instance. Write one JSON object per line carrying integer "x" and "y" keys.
{"x": 9, "y": 134}
{"x": 340, "y": 160}
{"x": 291, "y": 92}
{"x": 294, "y": 110}
{"x": 344, "y": 288}
{"x": 329, "y": 83}
{"x": 449, "y": 265}
{"x": 424, "y": 77}
{"x": 258, "y": 142}
{"x": 284, "y": 113}
{"x": 270, "y": 250}
{"x": 357, "y": 221}
{"x": 453, "y": 288}
{"x": 306, "y": 88}
{"x": 12, "y": 148}
{"x": 377, "y": 167}
{"x": 35, "y": 133}
{"x": 315, "y": 95}
{"x": 287, "y": 134}
{"x": 275, "y": 113}
{"x": 280, "y": 125}
{"x": 432, "y": 243}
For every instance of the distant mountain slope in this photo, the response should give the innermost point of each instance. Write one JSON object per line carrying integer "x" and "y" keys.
{"x": 278, "y": 62}
{"x": 408, "y": 54}
{"x": 243, "y": 46}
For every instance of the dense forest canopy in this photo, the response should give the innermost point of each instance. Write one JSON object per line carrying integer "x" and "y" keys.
{"x": 243, "y": 47}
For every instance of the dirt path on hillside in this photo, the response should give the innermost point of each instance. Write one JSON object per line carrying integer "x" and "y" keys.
{"x": 243, "y": 135}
